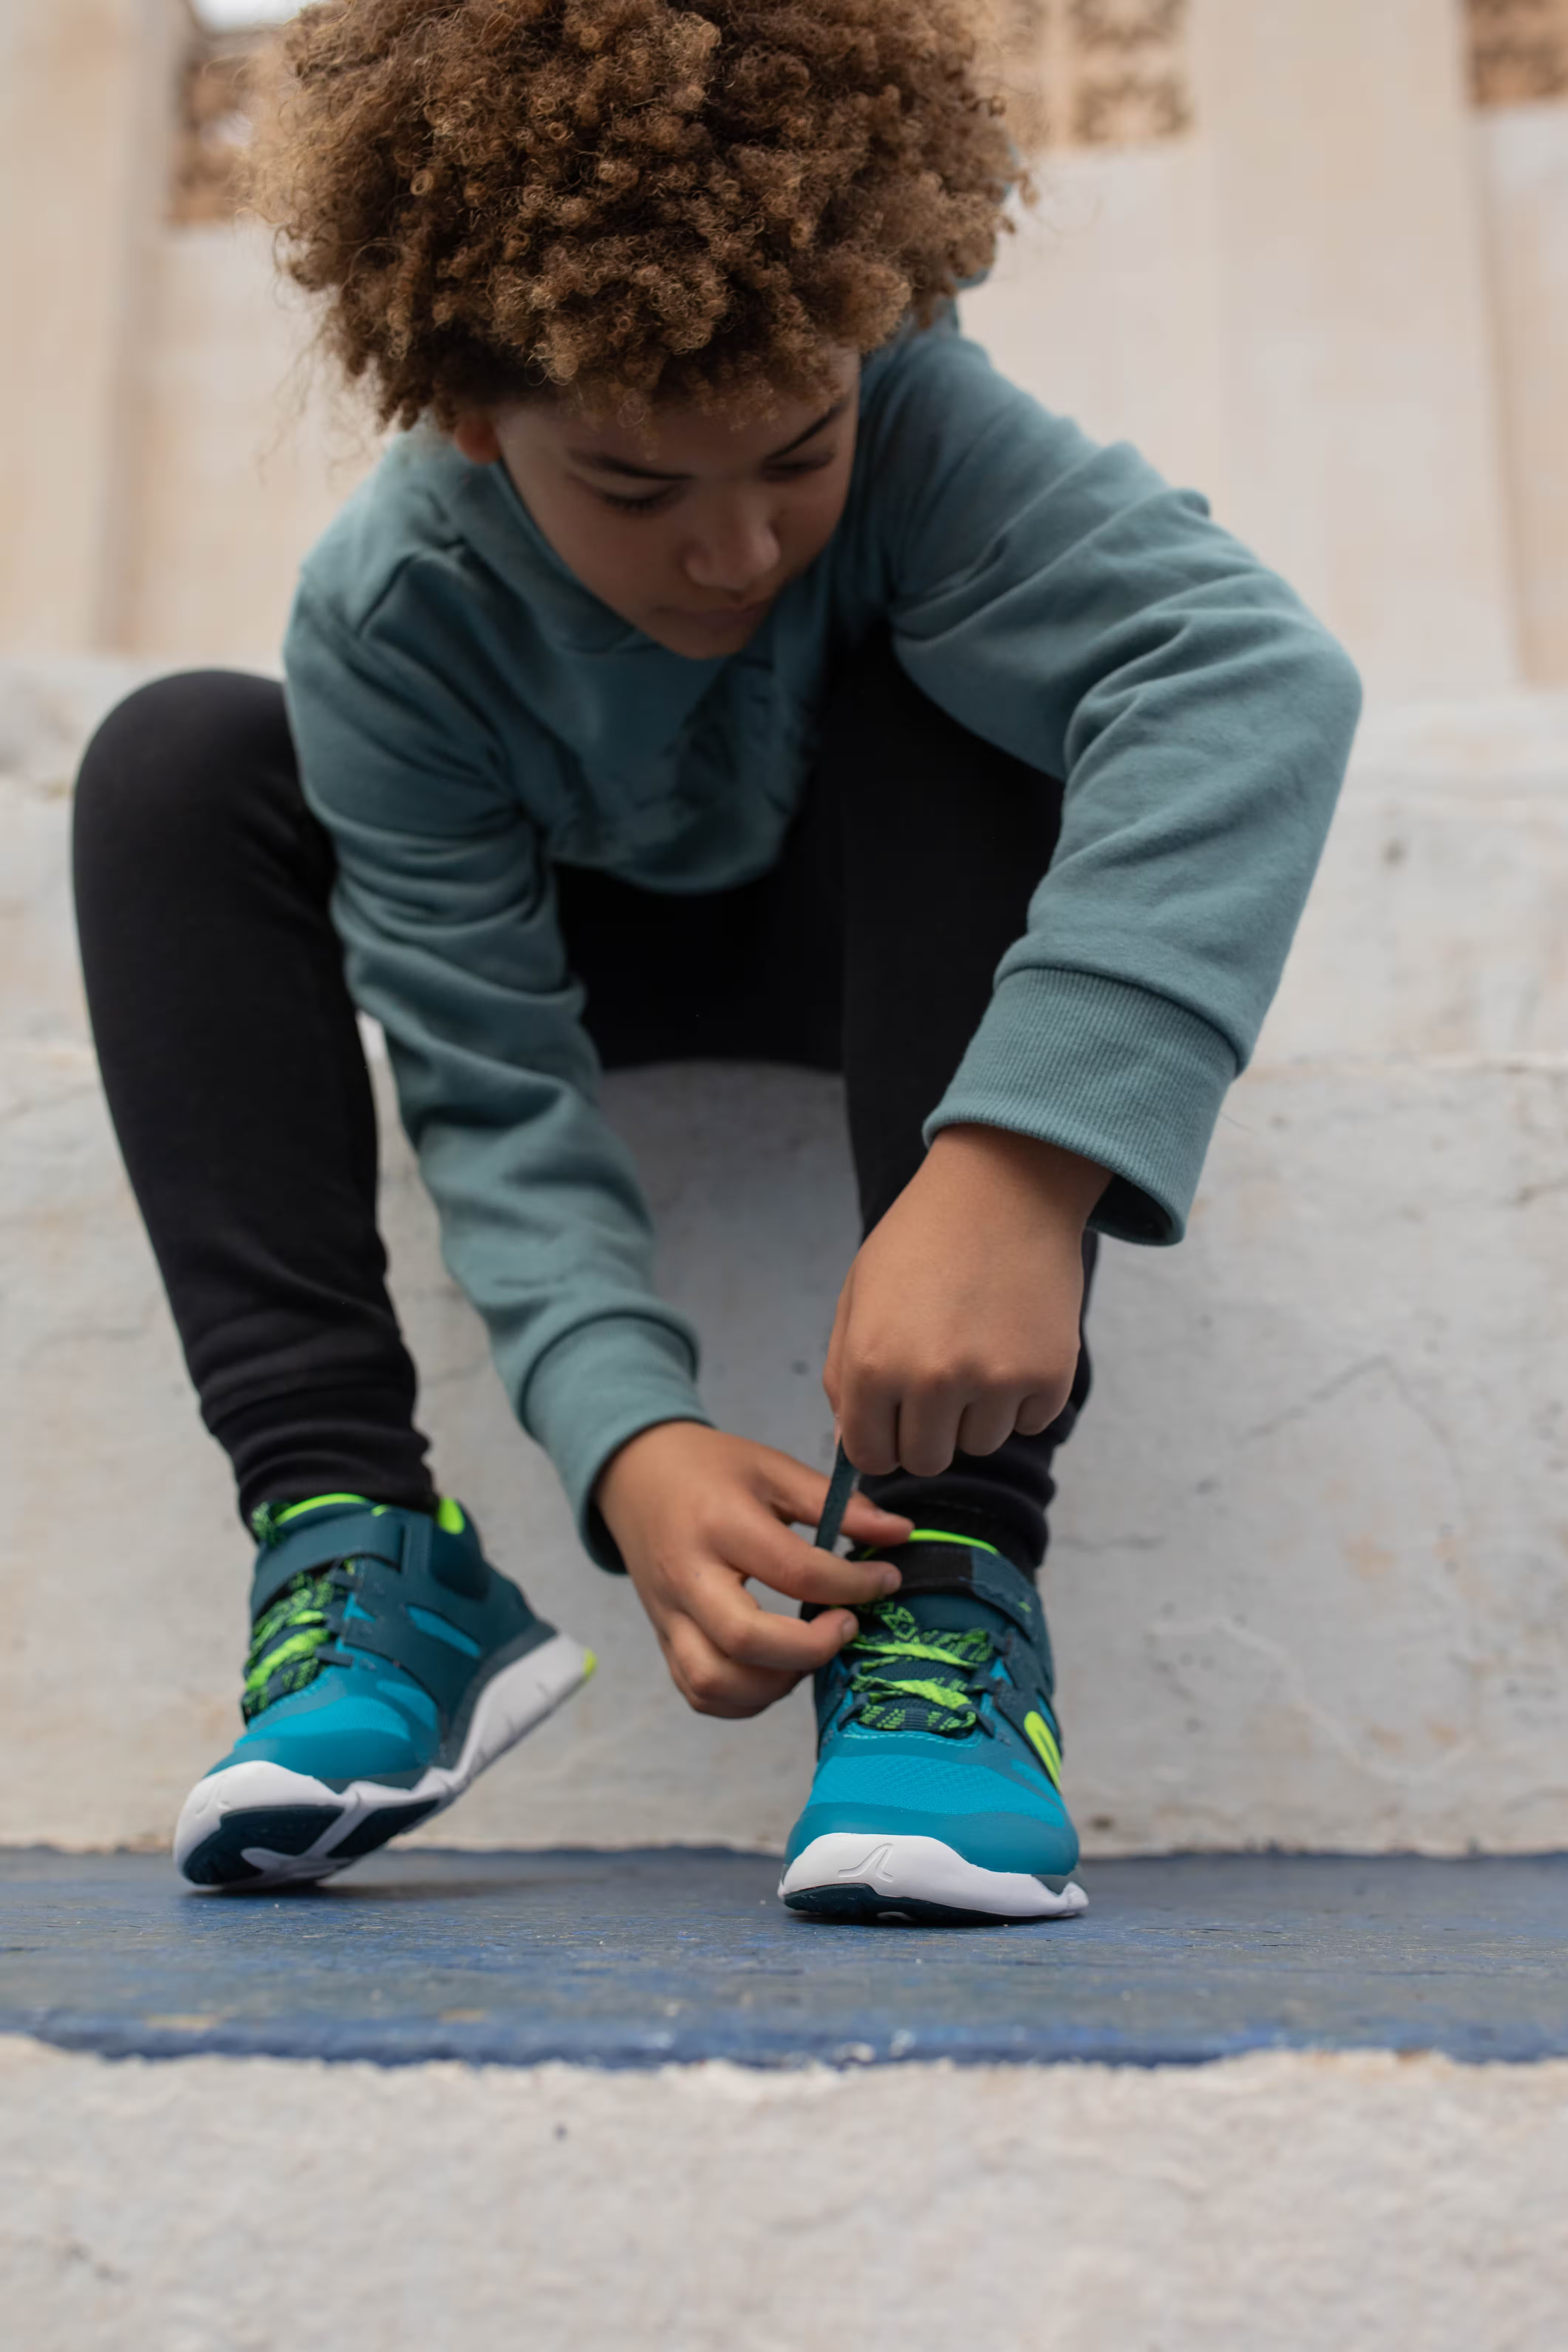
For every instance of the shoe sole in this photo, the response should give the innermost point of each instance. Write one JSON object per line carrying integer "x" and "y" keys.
{"x": 859, "y": 1878}
{"x": 260, "y": 1825}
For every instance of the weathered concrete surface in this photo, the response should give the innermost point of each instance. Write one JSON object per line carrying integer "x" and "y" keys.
{"x": 1308, "y": 1583}
{"x": 1522, "y": 157}
{"x": 93, "y": 80}
{"x": 1291, "y": 308}
{"x": 1436, "y": 925}
{"x": 1287, "y": 2203}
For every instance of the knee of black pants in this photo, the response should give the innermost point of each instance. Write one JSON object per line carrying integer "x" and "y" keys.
{"x": 183, "y": 764}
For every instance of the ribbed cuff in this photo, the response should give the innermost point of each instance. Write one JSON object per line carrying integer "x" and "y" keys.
{"x": 1114, "y": 1072}
{"x": 596, "y": 1387}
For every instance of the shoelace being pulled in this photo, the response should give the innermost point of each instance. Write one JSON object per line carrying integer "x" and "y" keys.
{"x": 938, "y": 1691}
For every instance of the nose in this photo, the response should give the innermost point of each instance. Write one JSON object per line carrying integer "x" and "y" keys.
{"x": 733, "y": 550}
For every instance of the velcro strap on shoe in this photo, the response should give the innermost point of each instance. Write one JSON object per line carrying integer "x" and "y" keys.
{"x": 386, "y": 1630}
{"x": 352, "y": 1535}
{"x": 965, "y": 1568}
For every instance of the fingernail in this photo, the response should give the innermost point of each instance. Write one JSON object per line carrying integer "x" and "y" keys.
{"x": 889, "y": 1580}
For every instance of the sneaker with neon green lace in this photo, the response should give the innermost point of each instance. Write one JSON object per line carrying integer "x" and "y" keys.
{"x": 389, "y": 1663}
{"x": 938, "y": 1789}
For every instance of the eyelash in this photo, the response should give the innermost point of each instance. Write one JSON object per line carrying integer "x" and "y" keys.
{"x": 660, "y": 498}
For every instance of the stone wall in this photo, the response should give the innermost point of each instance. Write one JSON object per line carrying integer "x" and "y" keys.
{"x": 1288, "y": 2202}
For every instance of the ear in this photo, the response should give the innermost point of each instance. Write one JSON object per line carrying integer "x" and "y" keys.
{"x": 475, "y": 437}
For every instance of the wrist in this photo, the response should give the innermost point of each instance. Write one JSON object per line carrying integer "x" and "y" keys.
{"x": 1063, "y": 1180}
{"x": 633, "y": 1461}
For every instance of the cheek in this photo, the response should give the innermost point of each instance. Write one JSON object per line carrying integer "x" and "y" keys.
{"x": 608, "y": 554}
{"x": 815, "y": 517}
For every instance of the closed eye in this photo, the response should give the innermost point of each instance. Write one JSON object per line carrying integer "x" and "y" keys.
{"x": 650, "y": 504}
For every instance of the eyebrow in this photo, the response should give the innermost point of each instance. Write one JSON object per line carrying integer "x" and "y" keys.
{"x": 606, "y": 465}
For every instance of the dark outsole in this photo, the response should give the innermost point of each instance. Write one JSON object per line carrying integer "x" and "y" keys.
{"x": 219, "y": 1860}
{"x": 862, "y": 1906}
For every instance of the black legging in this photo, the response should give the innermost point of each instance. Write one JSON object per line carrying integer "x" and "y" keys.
{"x": 238, "y": 1090}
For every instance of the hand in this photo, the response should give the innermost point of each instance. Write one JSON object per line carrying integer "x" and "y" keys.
{"x": 696, "y": 1512}
{"x": 958, "y": 1323}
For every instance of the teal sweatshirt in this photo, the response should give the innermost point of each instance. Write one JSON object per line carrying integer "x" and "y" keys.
{"x": 467, "y": 713}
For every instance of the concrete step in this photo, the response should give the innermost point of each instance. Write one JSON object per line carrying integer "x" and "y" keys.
{"x": 863, "y": 2140}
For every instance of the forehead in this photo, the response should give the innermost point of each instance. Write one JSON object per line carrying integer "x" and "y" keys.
{"x": 690, "y": 440}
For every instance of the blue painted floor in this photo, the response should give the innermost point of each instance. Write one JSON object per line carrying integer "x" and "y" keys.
{"x": 638, "y": 1958}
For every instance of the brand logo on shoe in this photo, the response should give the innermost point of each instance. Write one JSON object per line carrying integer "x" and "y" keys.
{"x": 1044, "y": 1747}
{"x": 876, "y": 1864}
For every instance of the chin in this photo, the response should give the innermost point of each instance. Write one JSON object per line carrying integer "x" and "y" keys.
{"x": 706, "y": 645}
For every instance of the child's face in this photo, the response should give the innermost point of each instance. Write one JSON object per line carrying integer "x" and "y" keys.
{"x": 690, "y": 531}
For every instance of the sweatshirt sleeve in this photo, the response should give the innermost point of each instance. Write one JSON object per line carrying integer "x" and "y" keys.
{"x": 1060, "y": 599}
{"x": 444, "y": 904}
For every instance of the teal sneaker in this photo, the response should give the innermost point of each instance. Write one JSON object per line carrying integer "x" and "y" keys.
{"x": 389, "y": 1663}
{"x": 938, "y": 1787}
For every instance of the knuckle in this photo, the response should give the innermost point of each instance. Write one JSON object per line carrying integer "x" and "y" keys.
{"x": 706, "y": 1689}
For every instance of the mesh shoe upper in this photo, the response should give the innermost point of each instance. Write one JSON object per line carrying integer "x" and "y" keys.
{"x": 375, "y": 1630}
{"x": 937, "y": 1721}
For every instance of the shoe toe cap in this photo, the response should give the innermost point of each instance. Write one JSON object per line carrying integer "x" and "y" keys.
{"x": 983, "y": 1814}
{"x": 334, "y": 1737}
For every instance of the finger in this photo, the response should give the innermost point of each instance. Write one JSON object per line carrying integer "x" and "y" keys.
{"x": 869, "y": 1414}
{"x": 781, "y": 1561}
{"x": 867, "y": 1522}
{"x": 1037, "y": 1413}
{"x": 986, "y": 1423}
{"x": 799, "y": 1496}
{"x": 747, "y": 1634}
{"x": 927, "y": 1431}
{"x": 832, "y": 1364}
{"x": 712, "y": 1683}
{"x": 776, "y": 1557}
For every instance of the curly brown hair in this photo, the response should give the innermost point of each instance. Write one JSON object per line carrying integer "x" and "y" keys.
{"x": 627, "y": 200}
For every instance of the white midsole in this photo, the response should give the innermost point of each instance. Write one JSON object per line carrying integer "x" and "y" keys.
{"x": 511, "y": 1702}
{"x": 924, "y": 1870}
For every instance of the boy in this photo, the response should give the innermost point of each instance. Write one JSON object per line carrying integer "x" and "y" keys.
{"x": 726, "y": 662}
